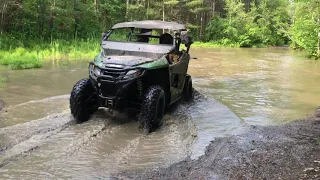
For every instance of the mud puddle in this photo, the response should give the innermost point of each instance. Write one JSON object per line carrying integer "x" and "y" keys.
{"x": 53, "y": 146}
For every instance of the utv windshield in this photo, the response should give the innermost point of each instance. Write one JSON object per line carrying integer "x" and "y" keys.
{"x": 138, "y": 40}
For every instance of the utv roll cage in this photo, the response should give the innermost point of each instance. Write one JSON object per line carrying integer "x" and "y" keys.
{"x": 179, "y": 32}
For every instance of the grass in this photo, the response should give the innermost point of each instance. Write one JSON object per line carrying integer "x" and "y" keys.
{"x": 222, "y": 43}
{"x": 27, "y": 54}
{"x": 20, "y": 58}
{"x": 212, "y": 44}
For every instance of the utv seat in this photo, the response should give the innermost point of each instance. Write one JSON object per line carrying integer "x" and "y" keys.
{"x": 144, "y": 35}
{"x": 166, "y": 39}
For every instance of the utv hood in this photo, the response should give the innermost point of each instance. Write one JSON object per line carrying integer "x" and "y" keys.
{"x": 125, "y": 60}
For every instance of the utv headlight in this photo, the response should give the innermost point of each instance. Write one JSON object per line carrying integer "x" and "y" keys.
{"x": 97, "y": 70}
{"x": 133, "y": 74}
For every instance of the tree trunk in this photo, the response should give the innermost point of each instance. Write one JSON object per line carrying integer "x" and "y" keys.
{"x": 163, "y": 11}
{"x": 163, "y": 15}
{"x": 201, "y": 26}
{"x": 76, "y": 20}
{"x": 95, "y": 8}
{"x": 319, "y": 44}
{"x": 3, "y": 16}
{"x": 42, "y": 8}
{"x": 51, "y": 22}
{"x": 20, "y": 25}
{"x": 148, "y": 6}
{"x": 127, "y": 10}
{"x": 213, "y": 7}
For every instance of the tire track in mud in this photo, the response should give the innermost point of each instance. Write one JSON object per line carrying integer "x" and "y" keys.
{"x": 29, "y": 111}
{"x": 50, "y": 99}
{"x": 20, "y": 140}
{"x": 17, "y": 157}
{"x": 28, "y": 142}
{"x": 40, "y": 126}
{"x": 35, "y": 139}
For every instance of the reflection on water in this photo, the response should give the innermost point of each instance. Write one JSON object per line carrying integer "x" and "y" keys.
{"x": 241, "y": 86}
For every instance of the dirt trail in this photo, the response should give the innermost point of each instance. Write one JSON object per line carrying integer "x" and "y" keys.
{"x": 290, "y": 151}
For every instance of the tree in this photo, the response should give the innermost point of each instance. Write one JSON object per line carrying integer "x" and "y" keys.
{"x": 306, "y": 25}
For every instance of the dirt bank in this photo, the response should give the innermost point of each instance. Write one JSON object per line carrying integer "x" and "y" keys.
{"x": 290, "y": 151}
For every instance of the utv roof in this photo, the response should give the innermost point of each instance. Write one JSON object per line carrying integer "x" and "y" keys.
{"x": 151, "y": 24}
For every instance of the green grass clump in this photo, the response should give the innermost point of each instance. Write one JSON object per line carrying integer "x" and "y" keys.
{"x": 20, "y": 58}
{"x": 20, "y": 53}
{"x": 213, "y": 44}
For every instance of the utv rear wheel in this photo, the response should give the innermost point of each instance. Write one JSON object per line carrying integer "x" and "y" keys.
{"x": 152, "y": 110}
{"x": 188, "y": 89}
{"x": 83, "y": 101}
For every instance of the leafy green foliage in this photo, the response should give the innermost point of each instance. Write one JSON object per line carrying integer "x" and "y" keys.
{"x": 33, "y": 31}
{"x": 304, "y": 31}
{"x": 257, "y": 27}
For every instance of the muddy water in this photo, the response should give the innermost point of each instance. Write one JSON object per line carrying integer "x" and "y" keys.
{"x": 262, "y": 86}
{"x": 240, "y": 86}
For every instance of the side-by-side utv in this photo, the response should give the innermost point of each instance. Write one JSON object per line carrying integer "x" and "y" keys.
{"x": 143, "y": 67}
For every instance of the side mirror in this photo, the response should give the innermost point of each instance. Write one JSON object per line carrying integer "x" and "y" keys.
{"x": 186, "y": 38}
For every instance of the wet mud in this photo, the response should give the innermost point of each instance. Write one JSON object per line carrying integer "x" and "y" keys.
{"x": 1, "y": 104}
{"x": 290, "y": 151}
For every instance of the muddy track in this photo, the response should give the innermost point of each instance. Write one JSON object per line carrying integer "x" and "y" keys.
{"x": 24, "y": 144}
{"x": 290, "y": 151}
{"x": 40, "y": 127}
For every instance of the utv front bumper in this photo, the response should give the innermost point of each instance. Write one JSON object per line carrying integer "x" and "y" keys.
{"x": 113, "y": 84}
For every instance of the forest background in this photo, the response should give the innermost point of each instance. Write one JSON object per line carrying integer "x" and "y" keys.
{"x": 32, "y": 31}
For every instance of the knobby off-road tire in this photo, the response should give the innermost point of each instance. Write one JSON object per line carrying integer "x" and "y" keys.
{"x": 188, "y": 89}
{"x": 152, "y": 110}
{"x": 83, "y": 101}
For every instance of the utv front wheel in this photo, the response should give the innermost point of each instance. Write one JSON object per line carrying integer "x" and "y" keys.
{"x": 188, "y": 89}
{"x": 152, "y": 110}
{"x": 83, "y": 101}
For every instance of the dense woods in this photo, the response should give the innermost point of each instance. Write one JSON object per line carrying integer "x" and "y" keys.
{"x": 61, "y": 26}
